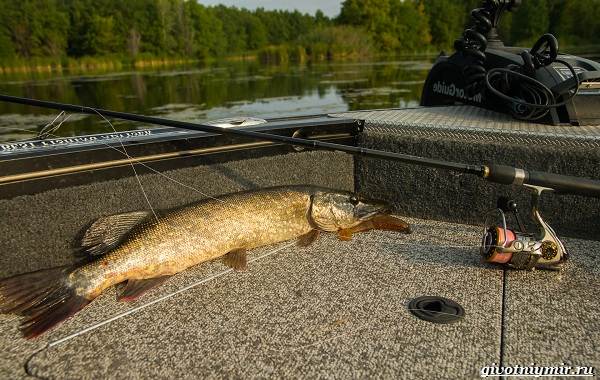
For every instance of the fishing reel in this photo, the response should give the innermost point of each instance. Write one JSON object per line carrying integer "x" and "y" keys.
{"x": 516, "y": 247}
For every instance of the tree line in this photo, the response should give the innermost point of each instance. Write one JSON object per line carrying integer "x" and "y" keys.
{"x": 186, "y": 28}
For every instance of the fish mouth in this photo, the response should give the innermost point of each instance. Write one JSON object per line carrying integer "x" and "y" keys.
{"x": 371, "y": 210}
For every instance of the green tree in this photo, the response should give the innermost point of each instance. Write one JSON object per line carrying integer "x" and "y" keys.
{"x": 166, "y": 11}
{"x": 579, "y": 22}
{"x": 33, "y": 30}
{"x": 395, "y": 25}
{"x": 446, "y": 21}
{"x": 256, "y": 33}
{"x": 233, "y": 28}
{"x": 556, "y": 8}
{"x": 531, "y": 20}
{"x": 101, "y": 36}
{"x": 209, "y": 36}
{"x": 7, "y": 48}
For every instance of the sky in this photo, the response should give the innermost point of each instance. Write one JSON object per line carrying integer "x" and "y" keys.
{"x": 329, "y": 7}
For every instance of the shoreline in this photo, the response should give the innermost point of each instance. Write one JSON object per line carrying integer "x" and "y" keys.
{"x": 107, "y": 64}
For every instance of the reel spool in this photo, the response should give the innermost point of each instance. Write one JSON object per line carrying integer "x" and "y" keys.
{"x": 517, "y": 248}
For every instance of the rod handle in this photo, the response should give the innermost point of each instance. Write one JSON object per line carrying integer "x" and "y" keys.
{"x": 560, "y": 183}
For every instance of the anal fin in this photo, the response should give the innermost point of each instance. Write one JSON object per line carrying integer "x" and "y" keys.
{"x": 308, "y": 238}
{"x": 236, "y": 259}
{"x": 135, "y": 288}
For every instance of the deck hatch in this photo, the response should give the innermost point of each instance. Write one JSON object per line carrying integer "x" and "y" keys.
{"x": 436, "y": 309}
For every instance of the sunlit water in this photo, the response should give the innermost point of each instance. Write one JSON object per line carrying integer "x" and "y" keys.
{"x": 212, "y": 92}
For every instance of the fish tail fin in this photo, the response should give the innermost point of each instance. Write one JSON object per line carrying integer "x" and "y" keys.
{"x": 44, "y": 297}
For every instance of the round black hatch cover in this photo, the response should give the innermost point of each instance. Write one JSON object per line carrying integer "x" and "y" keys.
{"x": 436, "y": 309}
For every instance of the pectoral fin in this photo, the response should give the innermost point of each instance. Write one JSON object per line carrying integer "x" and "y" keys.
{"x": 107, "y": 232}
{"x": 381, "y": 222}
{"x": 236, "y": 259}
{"x": 345, "y": 235}
{"x": 308, "y": 238}
{"x": 135, "y": 288}
{"x": 390, "y": 223}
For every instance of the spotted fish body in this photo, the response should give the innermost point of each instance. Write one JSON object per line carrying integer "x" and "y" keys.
{"x": 197, "y": 233}
{"x": 142, "y": 251}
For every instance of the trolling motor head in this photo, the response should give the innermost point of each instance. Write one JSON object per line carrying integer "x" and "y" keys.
{"x": 536, "y": 84}
{"x": 514, "y": 246}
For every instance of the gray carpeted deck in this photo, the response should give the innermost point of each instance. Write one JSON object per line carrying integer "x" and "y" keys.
{"x": 476, "y": 136}
{"x": 332, "y": 310}
{"x": 335, "y": 309}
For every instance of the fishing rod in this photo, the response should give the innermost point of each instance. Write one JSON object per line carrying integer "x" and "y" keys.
{"x": 514, "y": 247}
{"x": 501, "y": 174}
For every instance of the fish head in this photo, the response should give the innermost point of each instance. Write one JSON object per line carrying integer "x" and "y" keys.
{"x": 333, "y": 211}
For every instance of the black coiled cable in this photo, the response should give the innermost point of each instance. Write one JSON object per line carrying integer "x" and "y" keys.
{"x": 529, "y": 98}
{"x": 473, "y": 44}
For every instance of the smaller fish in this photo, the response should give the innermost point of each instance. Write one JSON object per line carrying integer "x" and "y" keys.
{"x": 138, "y": 252}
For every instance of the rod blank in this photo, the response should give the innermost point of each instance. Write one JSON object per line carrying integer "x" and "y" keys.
{"x": 373, "y": 153}
{"x": 494, "y": 173}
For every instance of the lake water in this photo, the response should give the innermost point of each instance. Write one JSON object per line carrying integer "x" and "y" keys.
{"x": 204, "y": 93}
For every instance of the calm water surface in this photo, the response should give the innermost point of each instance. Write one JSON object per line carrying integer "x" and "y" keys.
{"x": 204, "y": 93}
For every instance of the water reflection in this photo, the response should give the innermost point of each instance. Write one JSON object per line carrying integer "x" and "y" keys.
{"x": 213, "y": 92}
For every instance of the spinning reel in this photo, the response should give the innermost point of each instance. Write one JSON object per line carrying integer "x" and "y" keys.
{"x": 516, "y": 247}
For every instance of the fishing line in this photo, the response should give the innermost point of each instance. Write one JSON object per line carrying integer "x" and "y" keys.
{"x": 172, "y": 294}
{"x": 49, "y": 132}
{"x": 50, "y": 128}
{"x": 242, "y": 211}
{"x": 46, "y": 131}
{"x": 131, "y": 163}
{"x": 143, "y": 306}
{"x": 162, "y": 298}
{"x": 124, "y": 152}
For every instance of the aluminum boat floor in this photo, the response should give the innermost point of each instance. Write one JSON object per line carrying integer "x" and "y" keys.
{"x": 334, "y": 309}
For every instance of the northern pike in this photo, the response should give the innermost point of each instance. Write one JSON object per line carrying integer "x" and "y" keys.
{"x": 142, "y": 251}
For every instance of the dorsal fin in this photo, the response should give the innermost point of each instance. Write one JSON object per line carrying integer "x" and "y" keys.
{"x": 108, "y": 231}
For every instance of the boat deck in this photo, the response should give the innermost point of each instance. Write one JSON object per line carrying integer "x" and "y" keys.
{"x": 336, "y": 309}
{"x": 332, "y": 310}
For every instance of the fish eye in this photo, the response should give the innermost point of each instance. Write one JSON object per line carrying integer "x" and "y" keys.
{"x": 354, "y": 200}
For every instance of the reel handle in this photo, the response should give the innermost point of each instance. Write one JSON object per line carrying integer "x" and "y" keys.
{"x": 564, "y": 184}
